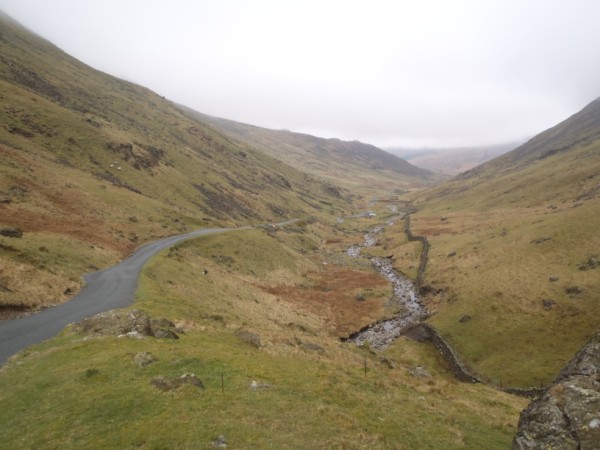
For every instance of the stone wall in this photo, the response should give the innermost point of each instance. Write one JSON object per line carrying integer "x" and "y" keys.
{"x": 424, "y": 250}
{"x": 459, "y": 370}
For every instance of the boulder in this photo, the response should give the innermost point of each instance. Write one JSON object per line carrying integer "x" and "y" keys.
{"x": 249, "y": 337}
{"x": 169, "y": 383}
{"x": 312, "y": 347}
{"x": 567, "y": 414}
{"x": 11, "y": 232}
{"x": 135, "y": 324}
{"x": 143, "y": 359}
{"x": 419, "y": 372}
{"x": 220, "y": 442}
{"x": 573, "y": 290}
{"x": 592, "y": 263}
{"x": 547, "y": 303}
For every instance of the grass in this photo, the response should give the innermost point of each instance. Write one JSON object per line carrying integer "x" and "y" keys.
{"x": 82, "y": 392}
{"x": 513, "y": 232}
{"x": 45, "y": 268}
{"x": 89, "y": 159}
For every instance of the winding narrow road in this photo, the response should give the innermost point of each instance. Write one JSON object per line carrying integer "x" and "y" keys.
{"x": 104, "y": 290}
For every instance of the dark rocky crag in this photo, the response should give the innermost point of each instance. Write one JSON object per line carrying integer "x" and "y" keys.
{"x": 567, "y": 414}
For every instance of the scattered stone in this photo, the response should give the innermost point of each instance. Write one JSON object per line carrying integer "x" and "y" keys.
{"x": 540, "y": 240}
{"x": 573, "y": 290}
{"x": 465, "y": 318}
{"x": 553, "y": 278}
{"x": 360, "y": 297}
{"x": 89, "y": 373}
{"x": 312, "y": 347}
{"x": 452, "y": 253}
{"x": 249, "y": 337}
{"x": 169, "y": 383}
{"x": 387, "y": 362}
{"x": 220, "y": 442}
{"x": 11, "y": 232}
{"x": 143, "y": 359}
{"x": 547, "y": 303}
{"x": 419, "y": 372}
{"x": 192, "y": 379}
{"x": 256, "y": 385}
{"x": 592, "y": 263}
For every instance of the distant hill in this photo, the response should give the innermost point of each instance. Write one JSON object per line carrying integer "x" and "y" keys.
{"x": 579, "y": 130}
{"x": 87, "y": 159}
{"x": 451, "y": 161}
{"x": 513, "y": 273}
{"x": 345, "y": 162}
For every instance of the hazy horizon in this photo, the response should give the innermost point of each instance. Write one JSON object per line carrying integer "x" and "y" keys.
{"x": 431, "y": 74}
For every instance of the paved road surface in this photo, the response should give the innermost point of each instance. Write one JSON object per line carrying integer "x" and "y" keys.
{"x": 104, "y": 290}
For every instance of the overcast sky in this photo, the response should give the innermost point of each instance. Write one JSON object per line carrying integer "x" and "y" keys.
{"x": 390, "y": 73}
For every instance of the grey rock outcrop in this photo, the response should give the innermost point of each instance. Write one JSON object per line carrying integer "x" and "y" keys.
{"x": 567, "y": 414}
{"x": 134, "y": 323}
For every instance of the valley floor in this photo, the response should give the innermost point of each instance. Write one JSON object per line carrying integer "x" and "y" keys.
{"x": 258, "y": 314}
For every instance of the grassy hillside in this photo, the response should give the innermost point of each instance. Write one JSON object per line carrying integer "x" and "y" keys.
{"x": 243, "y": 329}
{"x": 357, "y": 166}
{"x": 512, "y": 270}
{"x": 92, "y": 166}
{"x": 452, "y": 161}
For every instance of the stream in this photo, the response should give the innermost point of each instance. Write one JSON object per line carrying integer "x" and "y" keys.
{"x": 381, "y": 334}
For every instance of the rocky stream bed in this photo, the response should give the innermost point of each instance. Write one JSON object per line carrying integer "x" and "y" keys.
{"x": 381, "y": 334}
{"x": 565, "y": 414}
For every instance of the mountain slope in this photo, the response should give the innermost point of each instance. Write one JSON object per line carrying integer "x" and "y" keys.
{"x": 513, "y": 275}
{"x": 88, "y": 160}
{"x": 577, "y": 131}
{"x": 351, "y": 164}
{"x": 451, "y": 161}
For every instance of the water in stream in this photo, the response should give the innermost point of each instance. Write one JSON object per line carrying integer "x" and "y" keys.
{"x": 405, "y": 298}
